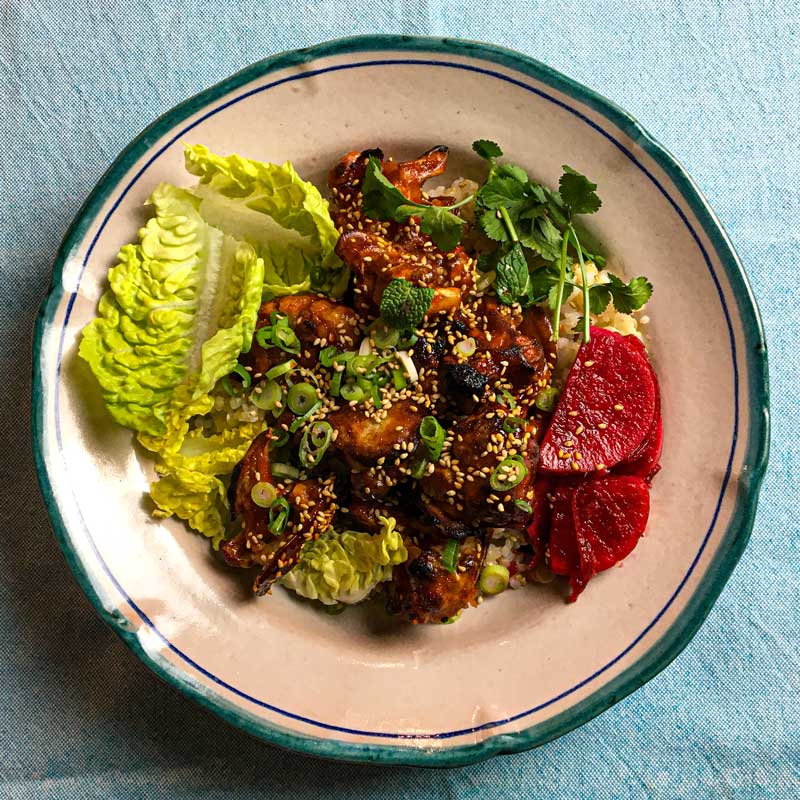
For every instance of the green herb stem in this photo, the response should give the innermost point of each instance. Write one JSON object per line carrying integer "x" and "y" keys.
{"x": 509, "y": 224}
{"x": 586, "y": 320}
{"x": 562, "y": 277}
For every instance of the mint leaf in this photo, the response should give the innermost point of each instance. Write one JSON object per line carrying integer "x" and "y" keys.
{"x": 578, "y": 192}
{"x": 487, "y": 149}
{"x": 513, "y": 280}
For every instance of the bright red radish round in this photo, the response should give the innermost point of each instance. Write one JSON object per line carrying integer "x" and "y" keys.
{"x": 606, "y": 409}
{"x": 610, "y": 516}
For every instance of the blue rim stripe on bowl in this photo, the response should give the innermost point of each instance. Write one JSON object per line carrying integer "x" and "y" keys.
{"x": 738, "y": 530}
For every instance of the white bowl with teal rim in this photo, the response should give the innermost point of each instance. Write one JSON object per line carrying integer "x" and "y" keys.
{"x": 525, "y": 667}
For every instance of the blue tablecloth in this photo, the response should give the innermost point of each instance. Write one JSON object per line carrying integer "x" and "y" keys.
{"x": 717, "y": 83}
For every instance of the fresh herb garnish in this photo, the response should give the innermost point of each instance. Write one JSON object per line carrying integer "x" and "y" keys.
{"x": 383, "y": 200}
{"x": 404, "y": 305}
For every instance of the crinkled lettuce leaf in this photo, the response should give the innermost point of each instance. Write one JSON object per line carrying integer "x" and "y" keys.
{"x": 346, "y": 567}
{"x": 284, "y": 217}
{"x": 182, "y": 306}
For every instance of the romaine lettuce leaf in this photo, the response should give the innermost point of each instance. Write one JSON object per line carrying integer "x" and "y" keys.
{"x": 346, "y": 567}
{"x": 182, "y": 306}
{"x": 284, "y": 217}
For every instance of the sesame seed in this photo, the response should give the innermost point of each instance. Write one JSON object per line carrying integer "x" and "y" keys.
{"x": 618, "y": 407}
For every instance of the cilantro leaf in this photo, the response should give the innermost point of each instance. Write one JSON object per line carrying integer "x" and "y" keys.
{"x": 632, "y": 296}
{"x": 508, "y": 193}
{"x": 493, "y": 226}
{"x": 512, "y": 171}
{"x": 441, "y": 225}
{"x": 381, "y": 196}
{"x": 543, "y": 237}
{"x": 552, "y": 296}
{"x": 599, "y": 298}
{"x": 578, "y": 192}
{"x": 487, "y": 149}
{"x": 513, "y": 280}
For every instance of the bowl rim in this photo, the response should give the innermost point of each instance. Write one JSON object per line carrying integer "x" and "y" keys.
{"x": 734, "y": 539}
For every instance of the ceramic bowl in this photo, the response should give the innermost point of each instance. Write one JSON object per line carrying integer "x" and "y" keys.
{"x": 526, "y": 666}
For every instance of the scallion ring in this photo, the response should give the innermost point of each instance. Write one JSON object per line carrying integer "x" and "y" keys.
{"x": 279, "y": 439}
{"x": 300, "y": 421}
{"x": 510, "y": 424}
{"x": 263, "y": 494}
{"x": 510, "y": 472}
{"x": 466, "y": 347}
{"x": 266, "y": 396}
{"x": 280, "y": 369}
{"x": 546, "y": 399}
{"x": 494, "y": 579}
{"x": 243, "y": 374}
{"x": 301, "y": 397}
{"x": 278, "y": 516}
{"x": 327, "y": 356}
{"x": 383, "y": 336}
{"x": 399, "y": 379}
{"x": 286, "y": 339}
{"x": 450, "y": 555}
{"x": 351, "y": 393}
{"x": 316, "y": 439}
{"x": 419, "y": 468}
{"x": 281, "y": 471}
{"x": 432, "y": 434}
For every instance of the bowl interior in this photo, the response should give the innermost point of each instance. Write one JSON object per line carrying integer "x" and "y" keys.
{"x": 360, "y": 680}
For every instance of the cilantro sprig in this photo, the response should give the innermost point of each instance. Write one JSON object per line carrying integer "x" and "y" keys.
{"x": 383, "y": 200}
{"x": 534, "y": 227}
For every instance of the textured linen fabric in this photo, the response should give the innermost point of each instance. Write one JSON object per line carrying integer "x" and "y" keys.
{"x": 716, "y": 82}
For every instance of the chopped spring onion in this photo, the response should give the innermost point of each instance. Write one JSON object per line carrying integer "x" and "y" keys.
{"x": 351, "y": 393}
{"x": 399, "y": 379}
{"x": 281, "y": 471}
{"x": 375, "y": 390}
{"x": 450, "y": 555}
{"x": 278, "y": 334}
{"x": 266, "y": 396}
{"x": 509, "y": 473}
{"x": 279, "y": 438}
{"x": 524, "y": 505}
{"x": 315, "y": 442}
{"x": 281, "y": 369}
{"x": 432, "y": 434}
{"x": 466, "y": 347}
{"x": 263, "y": 494}
{"x": 243, "y": 374}
{"x": 408, "y": 366}
{"x": 408, "y": 340}
{"x": 510, "y": 424}
{"x": 286, "y": 339}
{"x": 301, "y": 397}
{"x": 454, "y": 618}
{"x": 327, "y": 355}
{"x": 508, "y": 399}
{"x": 278, "y": 516}
{"x": 546, "y": 399}
{"x": 336, "y": 384}
{"x": 419, "y": 467}
{"x": 366, "y": 347}
{"x": 298, "y": 423}
{"x": 494, "y": 579}
{"x": 382, "y": 335}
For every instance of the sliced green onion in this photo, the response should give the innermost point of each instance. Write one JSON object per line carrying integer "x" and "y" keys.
{"x": 432, "y": 434}
{"x": 494, "y": 579}
{"x": 546, "y": 399}
{"x": 509, "y": 473}
{"x": 281, "y": 471}
{"x": 336, "y": 384}
{"x": 510, "y": 424}
{"x": 376, "y": 395}
{"x": 279, "y": 439}
{"x": 351, "y": 393}
{"x": 524, "y": 505}
{"x": 298, "y": 423}
{"x": 327, "y": 355}
{"x": 263, "y": 494}
{"x": 301, "y": 397}
{"x": 419, "y": 467}
{"x": 363, "y": 366}
{"x": 399, "y": 379}
{"x": 450, "y": 555}
{"x": 280, "y": 369}
{"x": 508, "y": 399}
{"x": 243, "y": 374}
{"x": 266, "y": 396}
{"x": 454, "y": 618}
{"x": 315, "y": 442}
{"x": 408, "y": 340}
{"x": 382, "y": 335}
{"x": 278, "y": 516}
{"x": 467, "y": 347}
{"x": 286, "y": 339}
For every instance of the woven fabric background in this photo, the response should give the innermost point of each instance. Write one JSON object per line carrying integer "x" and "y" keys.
{"x": 717, "y": 82}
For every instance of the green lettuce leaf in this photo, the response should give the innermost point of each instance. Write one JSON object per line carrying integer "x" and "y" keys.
{"x": 182, "y": 306}
{"x": 283, "y": 217}
{"x": 346, "y": 567}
